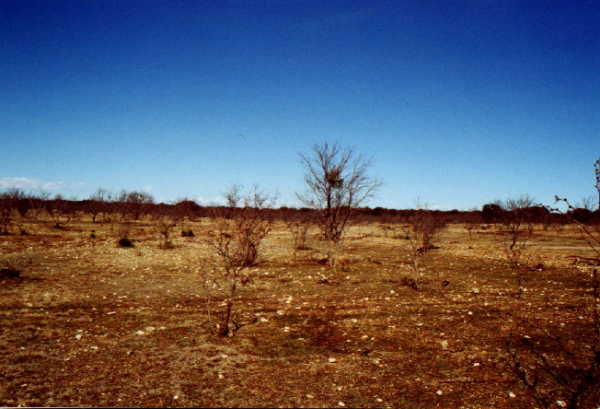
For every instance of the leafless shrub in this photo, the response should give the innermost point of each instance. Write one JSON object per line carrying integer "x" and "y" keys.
{"x": 421, "y": 230}
{"x": 569, "y": 377}
{"x": 517, "y": 228}
{"x": 166, "y": 218}
{"x": 9, "y": 201}
{"x": 337, "y": 182}
{"x": 59, "y": 212}
{"x": 236, "y": 242}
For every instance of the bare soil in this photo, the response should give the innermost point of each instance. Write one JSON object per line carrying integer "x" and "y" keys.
{"x": 87, "y": 323}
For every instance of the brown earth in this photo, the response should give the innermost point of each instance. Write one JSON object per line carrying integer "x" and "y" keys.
{"x": 90, "y": 324}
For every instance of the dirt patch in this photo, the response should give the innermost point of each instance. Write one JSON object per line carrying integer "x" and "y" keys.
{"x": 92, "y": 324}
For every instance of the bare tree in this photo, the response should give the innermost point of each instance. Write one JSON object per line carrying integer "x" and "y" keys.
{"x": 134, "y": 204}
{"x": 337, "y": 182}
{"x": 97, "y": 203}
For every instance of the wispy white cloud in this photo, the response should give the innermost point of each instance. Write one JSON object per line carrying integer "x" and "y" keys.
{"x": 37, "y": 184}
{"x": 210, "y": 201}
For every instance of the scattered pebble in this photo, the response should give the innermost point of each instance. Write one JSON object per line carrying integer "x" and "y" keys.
{"x": 561, "y": 403}
{"x": 444, "y": 344}
{"x": 332, "y": 360}
{"x": 140, "y": 332}
{"x": 439, "y": 392}
{"x": 511, "y": 395}
{"x": 78, "y": 336}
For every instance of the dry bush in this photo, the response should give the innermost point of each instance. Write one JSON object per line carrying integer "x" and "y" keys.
{"x": 422, "y": 228}
{"x": 236, "y": 243}
{"x": 518, "y": 228}
{"x": 569, "y": 376}
{"x": 299, "y": 230}
{"x": 166, "y": 218}
{"x": 10, "y": 209}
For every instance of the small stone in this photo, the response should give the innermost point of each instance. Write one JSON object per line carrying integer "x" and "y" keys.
{"x": 476, "y": 364}
{"x": 332, "y": 360}
{"x": 342, "y": 404}
{"x": 263, "y": 319}
{"x": 561, "y": 403}
{"x": 150, "y": 329}
{"x": 309, "y": 396}
{"x": 511, "y": 395}
{"x": 439, "y": 392}
{"x": 78, "y": 337}
{"x": 444, "y": 344}
{"x": 140, "y": 332}
{"x": 475, "y": 290}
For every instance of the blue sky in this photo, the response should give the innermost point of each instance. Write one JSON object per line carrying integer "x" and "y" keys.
{"x": 458, "y": 102}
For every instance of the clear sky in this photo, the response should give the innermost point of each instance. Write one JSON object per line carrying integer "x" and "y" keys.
{"x": 458, "y": 102}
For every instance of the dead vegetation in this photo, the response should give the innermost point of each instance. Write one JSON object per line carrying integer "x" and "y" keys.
{"x": 93, "y": 324}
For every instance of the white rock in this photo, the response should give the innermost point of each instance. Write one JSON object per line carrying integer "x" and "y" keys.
{"x": 561, "y": 403}
{"x": 140, "y": 332}
{"x": 332, "y": 360}
{"x": 342, "y": 404}
{"x": 439, "y": 392}
{"x": 309, "y": 396}
{"x": 511, "y": 395}
{"x": 78, "y": 336}
{"x": 444, "y": 344}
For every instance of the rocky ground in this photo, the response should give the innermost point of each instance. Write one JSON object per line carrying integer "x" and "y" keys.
{"x": 87, "y": 323}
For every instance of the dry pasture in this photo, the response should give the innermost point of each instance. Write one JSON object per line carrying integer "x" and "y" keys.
{"x": 90, "y": 324}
